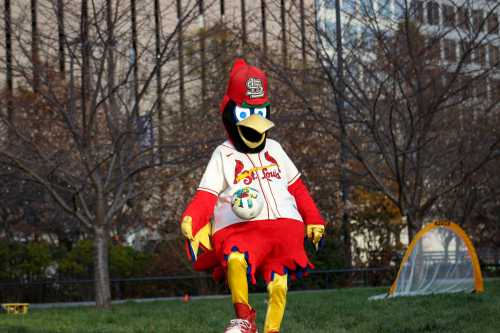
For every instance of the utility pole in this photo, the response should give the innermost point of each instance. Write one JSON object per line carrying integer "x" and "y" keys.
{"x": 340, "y": 104}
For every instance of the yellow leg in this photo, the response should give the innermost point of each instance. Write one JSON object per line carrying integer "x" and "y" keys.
{"x": 276, "y": 290}
{"x": 237, "y": 277}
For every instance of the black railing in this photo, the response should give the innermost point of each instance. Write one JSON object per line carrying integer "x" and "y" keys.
{"x": 49, "y": 291}
{"x": 195, "y": 284}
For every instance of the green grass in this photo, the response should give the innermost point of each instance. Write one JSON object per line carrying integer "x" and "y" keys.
{"x": 342, "y": 310}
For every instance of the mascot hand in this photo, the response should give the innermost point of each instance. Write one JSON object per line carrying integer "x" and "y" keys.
{"x": 200, "y": 239}
{"x": 315, "y": 232}
{"x": 187, "y": 227}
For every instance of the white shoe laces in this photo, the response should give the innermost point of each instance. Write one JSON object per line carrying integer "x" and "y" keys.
{"x": 239, "y": 323}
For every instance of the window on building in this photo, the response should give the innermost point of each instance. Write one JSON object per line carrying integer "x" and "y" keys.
{"x": 450, "y": 81}
{"x": 329, "y": 4}
{"x": 494, "y": 55}
{"x": 330, "y": 30}
{"x": 481, "y": 88}
{"x": 493, "y": 24}
{"x": 449, "y": 19}
{"x": 353, "y": 71}
{"x": 450, "y": 50}
{"x": 433, "y": 47}
{"x": 466, "y": 52}
{"x": 417, "y": 11}
{"x": 384, "y": 8}
{"x": 465, "y": 86}
{"x": 349, "y": 6}
{"x": 463, "y": 18}
{"x": 399, "y": 9}
{"x": 433, "y": 13}
{"x": 477, "y": 20}
{"x": 368, "y": 38}
{"x": 495, "y": 89}
{"x": 480, "y": 55}
{"x": 350, "y": 36}
{"x": 366, "y": 7}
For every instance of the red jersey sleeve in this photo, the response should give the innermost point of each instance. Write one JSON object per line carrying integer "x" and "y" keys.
{"x": 305, "y": 203}
{"x": 201, "y": 209}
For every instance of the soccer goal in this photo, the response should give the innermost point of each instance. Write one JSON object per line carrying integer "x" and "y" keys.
{"x": 440, "y": 259}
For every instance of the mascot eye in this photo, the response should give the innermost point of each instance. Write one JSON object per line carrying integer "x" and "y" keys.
{"x": 261, "y": 112}
{"x": 241, "y": 113}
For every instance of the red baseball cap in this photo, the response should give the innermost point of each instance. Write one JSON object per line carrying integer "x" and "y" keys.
{"x": 247, "y": 84}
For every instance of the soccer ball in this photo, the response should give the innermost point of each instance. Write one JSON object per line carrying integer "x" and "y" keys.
{"x": 247, "y": 203}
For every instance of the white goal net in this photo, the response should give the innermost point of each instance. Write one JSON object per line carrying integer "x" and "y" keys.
{"x": 439, "y": 263}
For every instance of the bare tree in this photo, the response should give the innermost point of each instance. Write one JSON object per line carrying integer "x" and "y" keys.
{"x": 414, "y": 94}
{"x": 88, "y": 144}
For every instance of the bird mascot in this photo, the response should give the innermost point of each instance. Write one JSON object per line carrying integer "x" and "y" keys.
{"x": 261, "y": 209}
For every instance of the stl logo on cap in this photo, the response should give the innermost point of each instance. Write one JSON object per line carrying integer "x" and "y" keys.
{"x": 247, "y": 84}
{"x": 255, "y": 88}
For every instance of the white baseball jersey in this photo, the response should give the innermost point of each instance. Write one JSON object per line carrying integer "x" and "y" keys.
{"x": 270, "y": 172}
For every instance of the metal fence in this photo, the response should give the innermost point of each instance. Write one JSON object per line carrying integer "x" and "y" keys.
{"x": 196, "y": 284}
{"x": 166, "y": 286}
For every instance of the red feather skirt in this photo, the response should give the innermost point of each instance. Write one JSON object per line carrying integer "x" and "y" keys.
{"x": 270, "y": 246}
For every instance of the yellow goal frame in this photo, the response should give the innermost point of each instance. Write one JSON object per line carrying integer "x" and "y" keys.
{"x": 478, "y": 276}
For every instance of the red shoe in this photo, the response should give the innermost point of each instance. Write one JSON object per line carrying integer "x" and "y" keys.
{"x": 245, "y": 322}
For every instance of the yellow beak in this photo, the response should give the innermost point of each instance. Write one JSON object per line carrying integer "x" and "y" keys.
{"x": 259, "y": 124}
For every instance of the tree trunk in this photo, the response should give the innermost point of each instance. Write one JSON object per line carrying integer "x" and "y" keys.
{"x": 264, "y": 26}
{"x": 110, "y": 25}
{"x": 133, "y": 23}
{"x": 61, "y": 37}
{"x": 303, "y": 35}
{"x": 8, "y": 58}
{"x": 340, "y": 108}
{"x": 180, "y": 58}
{"x": 34, "y": 45}
{"x": 159, "y": 89}
{"x": 101, "y": 268}
{"x": 101, "y": 264}
{"x": 203, "y": 56}
{"x": 85, "y": 67}
{"x": 414, "y": 223}
{"x": 243, "y": 28}
{"x": 284, "y": 44}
